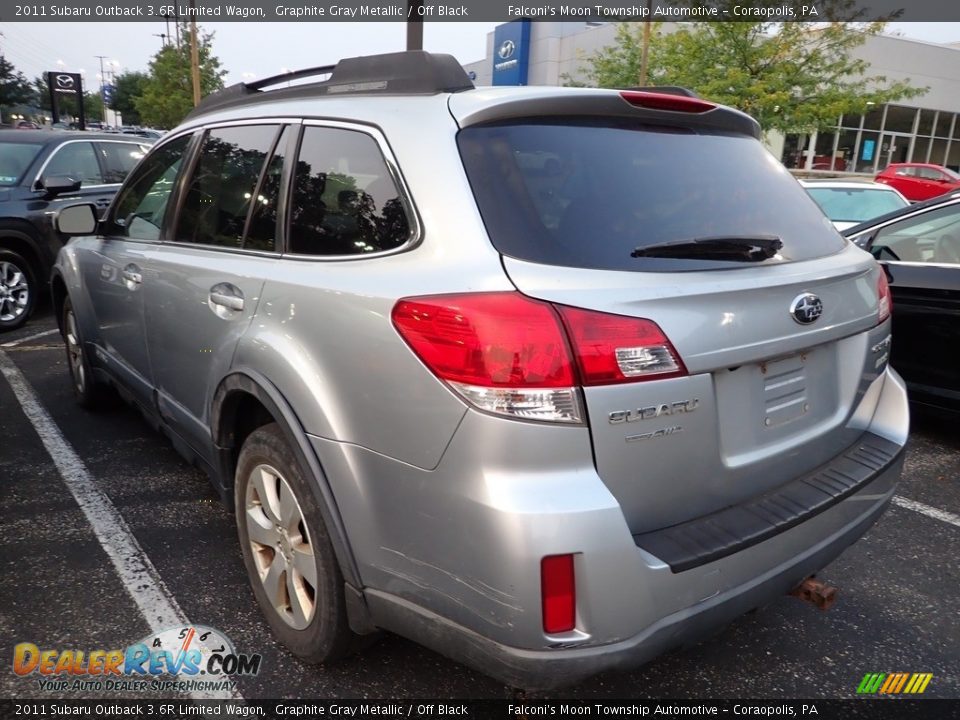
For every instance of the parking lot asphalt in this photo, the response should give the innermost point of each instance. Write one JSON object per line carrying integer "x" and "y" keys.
{"x": 897, "y": 609}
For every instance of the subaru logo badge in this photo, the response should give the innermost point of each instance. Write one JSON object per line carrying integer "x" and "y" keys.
{"x": 806, "y": 308}
{"x": 506, "y": 49}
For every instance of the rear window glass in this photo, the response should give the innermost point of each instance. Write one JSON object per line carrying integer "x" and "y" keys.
{"x": 15, "y": 158}
{"x": 589, "y": 195}
{"x": 855, "y": 204}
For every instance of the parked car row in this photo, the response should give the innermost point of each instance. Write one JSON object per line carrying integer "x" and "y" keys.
{"x": 40, "y": 172}
{"x": 550, "y": 380}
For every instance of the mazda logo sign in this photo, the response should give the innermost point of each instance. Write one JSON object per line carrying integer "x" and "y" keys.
{"x": 506, "y": 49}
{"x": 65, "y": 82}
{"x": 806, "y": 308}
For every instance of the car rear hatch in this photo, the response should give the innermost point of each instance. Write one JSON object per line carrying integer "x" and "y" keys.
{"x": 672, "y": 211}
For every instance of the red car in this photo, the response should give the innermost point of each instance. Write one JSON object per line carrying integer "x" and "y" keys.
{"x": 919, "y": 181}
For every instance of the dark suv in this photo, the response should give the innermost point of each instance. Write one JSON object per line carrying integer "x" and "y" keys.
{"x": 40, "y": 171}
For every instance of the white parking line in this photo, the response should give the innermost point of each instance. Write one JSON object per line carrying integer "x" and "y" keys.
{"x": 28, "y": 338}
{"x": 935, "y": 513}
{"x": 137, "y": 574}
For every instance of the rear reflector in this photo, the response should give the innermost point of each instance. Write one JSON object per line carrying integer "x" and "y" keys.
{"x": 559, "y": 593}
{"x": 663, "y": 101}
{"x": 885, "y": 301}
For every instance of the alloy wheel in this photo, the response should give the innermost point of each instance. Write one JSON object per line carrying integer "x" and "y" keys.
{"x": 14, "y": 292}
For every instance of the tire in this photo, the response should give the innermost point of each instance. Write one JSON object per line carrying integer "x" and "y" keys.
{"x": 18, "y": 290}
{"x": 89, "y": 393}
{"x": 290, "y": 562}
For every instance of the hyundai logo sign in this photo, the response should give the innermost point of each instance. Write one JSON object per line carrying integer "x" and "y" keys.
{"x": 506, "y": 49}
{"x": 806, "y": 308}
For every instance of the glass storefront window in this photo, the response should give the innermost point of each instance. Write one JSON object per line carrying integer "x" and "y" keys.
{"x": 925, "y": 127}
{"x": 900, "y": 119}
{"x": 920, "y": 148}
{"x": 943, "y": 124}
{"x": 938, "y": 151}
{"x": 869, "y": 150}
{"x": 873, "y": 118}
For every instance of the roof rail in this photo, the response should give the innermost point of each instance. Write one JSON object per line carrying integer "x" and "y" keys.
{"x": 666, "y": 90}
{"x": 414, "y": 72}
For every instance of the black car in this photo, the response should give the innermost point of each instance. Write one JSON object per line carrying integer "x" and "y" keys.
{"x": 40, "y": 171}
{"x": 919, "y": 246}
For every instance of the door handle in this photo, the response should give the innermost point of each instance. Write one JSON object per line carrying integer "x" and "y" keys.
{"x": 132, "y": 276}
{"x": 231, "y": 302}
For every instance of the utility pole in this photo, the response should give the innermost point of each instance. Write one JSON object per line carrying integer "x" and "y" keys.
{"x": 163, "y": 37}
{"x": 645, "y": 48}
{"x": 194, "y": 55}
{"x": 103, "y": 99}
{"x": 414, "y": 25}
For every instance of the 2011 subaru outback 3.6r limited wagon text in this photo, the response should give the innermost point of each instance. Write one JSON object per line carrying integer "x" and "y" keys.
{"x": 549, "y": 380}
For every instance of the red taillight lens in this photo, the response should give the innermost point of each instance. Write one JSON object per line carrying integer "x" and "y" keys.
{"x": 559, "y": 594}
{"x": 884, "y": 296}
{"x": 615, "y": 349}
{"x": 665, "y": 101}
{"x": 511, "y": 355}
{"x": 502, "y": 352}
{"x": 487, "y": 339}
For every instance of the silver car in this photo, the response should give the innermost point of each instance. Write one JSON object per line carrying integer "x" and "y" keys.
{"x": 549, "y": 380}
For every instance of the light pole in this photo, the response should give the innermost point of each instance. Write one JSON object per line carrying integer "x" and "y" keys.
{"x": 103, "y": 100}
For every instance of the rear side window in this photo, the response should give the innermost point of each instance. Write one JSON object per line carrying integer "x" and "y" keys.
{"x": 15, "y": 158}
{"x": 345, "y": 201}
{"x": 142, "y": 203}
{"x": 118, "y": 159}
{"x": 593, "y": 195}
{"x": 76, "y": 160}
{"x": 223, "y": 186}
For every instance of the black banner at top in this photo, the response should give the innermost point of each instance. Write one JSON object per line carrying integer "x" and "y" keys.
{"x": 482, "y": 10}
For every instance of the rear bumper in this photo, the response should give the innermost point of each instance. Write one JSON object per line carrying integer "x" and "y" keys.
{"x": 546, "y": 669}
{"x": 451, "y": 557}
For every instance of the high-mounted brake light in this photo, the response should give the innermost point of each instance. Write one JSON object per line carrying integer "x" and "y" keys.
{"x": 885, "y": 300}
{"x": 508, "y": 354}
{"x": 558, "y": 593}
{"x": 664, "y": 101}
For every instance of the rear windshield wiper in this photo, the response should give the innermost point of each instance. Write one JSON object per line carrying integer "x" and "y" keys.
{"x": 733, "y": 247}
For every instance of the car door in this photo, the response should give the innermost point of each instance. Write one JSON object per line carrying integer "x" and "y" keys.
{"x": 115, "y": 265}
{"x": 922, "y": 255}
{"x": 209, "y": 276}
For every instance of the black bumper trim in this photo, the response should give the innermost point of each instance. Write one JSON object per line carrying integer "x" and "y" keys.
{"x": 725, "y": 532}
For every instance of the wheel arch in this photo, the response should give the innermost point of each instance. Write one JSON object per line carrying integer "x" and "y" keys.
{"x": 245, "y": 400}
{"x": 15, "y": 237}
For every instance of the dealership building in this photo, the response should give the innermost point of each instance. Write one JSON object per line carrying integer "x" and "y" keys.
{"x": 925, "y": 128}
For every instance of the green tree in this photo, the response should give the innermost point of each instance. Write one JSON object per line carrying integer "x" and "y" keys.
{"x": 791, "y": 76}
{"x": 167, "y": 95}
{"x": 14, "y": 87}
{"x": 129, "y": 86}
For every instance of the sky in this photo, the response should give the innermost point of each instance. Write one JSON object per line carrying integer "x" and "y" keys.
{"x": 256, "y": 50}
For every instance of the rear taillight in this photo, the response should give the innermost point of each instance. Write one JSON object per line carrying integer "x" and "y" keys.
{"x": 885, "y": 301}
{"x": 511, "y": 355}
{"x": 503, "y": 352}
{"x": 616, "y": 349}
{"x": 558, "y": 592}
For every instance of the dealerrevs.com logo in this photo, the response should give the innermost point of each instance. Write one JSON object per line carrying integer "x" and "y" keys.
{"x": 198, "y": 658}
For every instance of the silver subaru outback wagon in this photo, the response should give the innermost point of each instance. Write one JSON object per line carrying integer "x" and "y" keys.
{"x": 549, "y": 380}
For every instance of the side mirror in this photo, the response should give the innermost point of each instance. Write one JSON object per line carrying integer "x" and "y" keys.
{"x": 77, "y": 220}
{"x": 56, "y": 184}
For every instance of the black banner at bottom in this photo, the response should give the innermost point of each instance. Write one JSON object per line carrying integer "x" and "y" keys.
{"x": 518, "y": 709}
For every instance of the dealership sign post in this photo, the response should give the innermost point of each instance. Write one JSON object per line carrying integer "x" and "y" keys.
{"x": 60, "y": 84}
